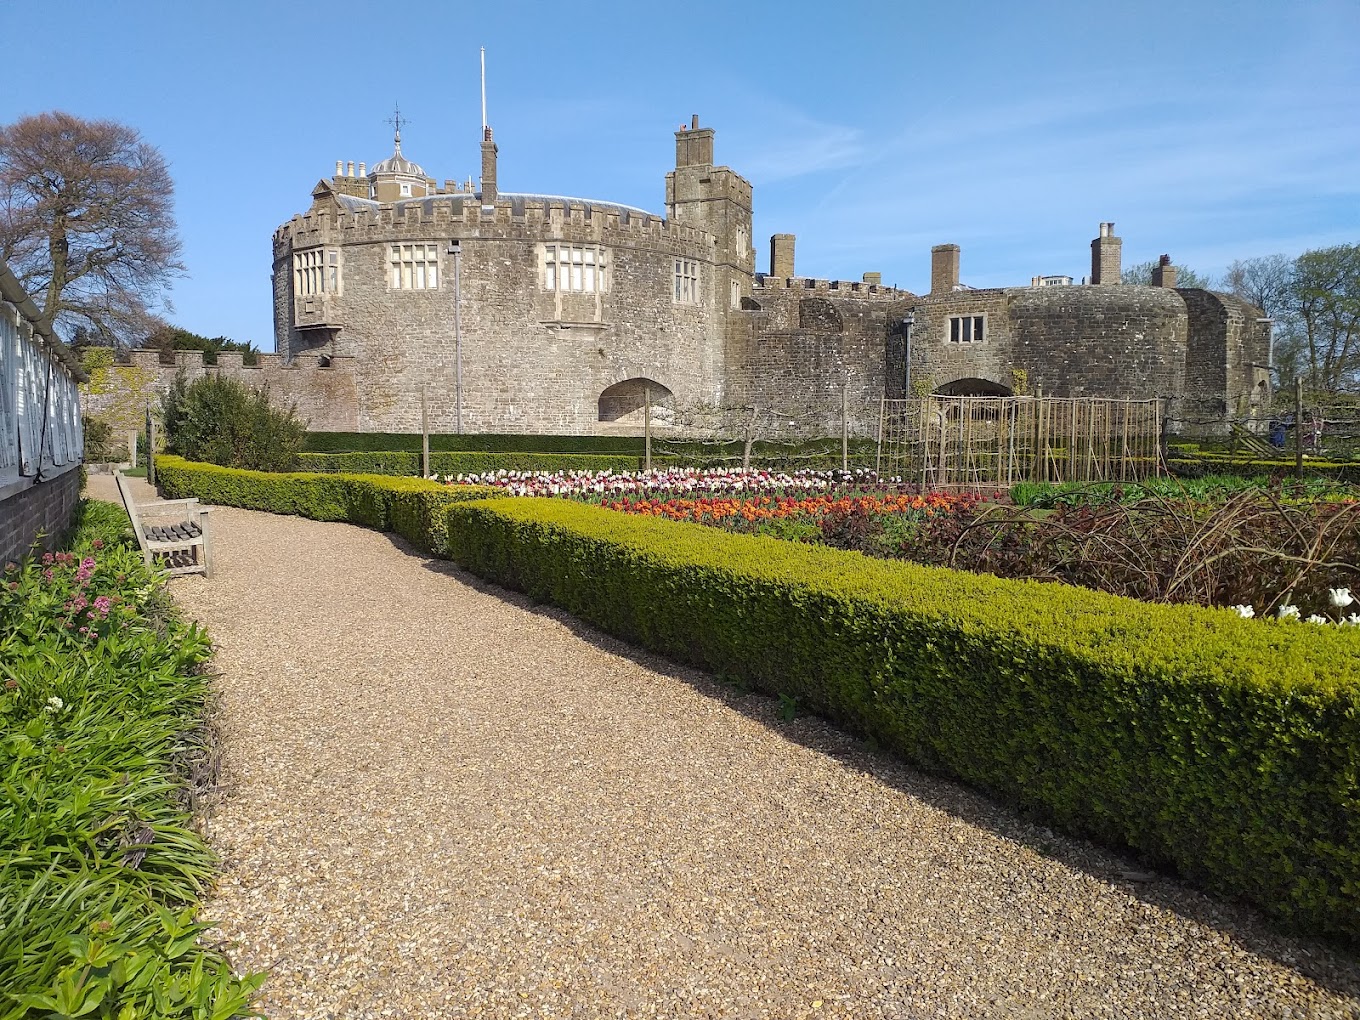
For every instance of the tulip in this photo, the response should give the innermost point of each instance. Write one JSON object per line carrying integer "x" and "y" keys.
{"x": 1340, "y": 597}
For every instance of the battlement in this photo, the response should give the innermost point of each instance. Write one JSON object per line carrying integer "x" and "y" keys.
{"x": 843, "y": 288}
{"x": 517, "y": 216}
{"x": 192, "y": 363}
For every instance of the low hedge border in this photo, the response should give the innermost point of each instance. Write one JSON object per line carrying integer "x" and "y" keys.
{"x": 1223, "y": 747}
{"x": 454, "y": 464}
{"x": 414, "y": 508}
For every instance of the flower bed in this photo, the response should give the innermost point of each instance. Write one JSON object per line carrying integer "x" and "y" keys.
{"x": 101, "y": 695}
{"x": 673, "y": 482}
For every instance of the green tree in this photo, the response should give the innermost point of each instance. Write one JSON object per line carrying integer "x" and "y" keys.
{"x": 166, "y": 337}
{"x": 87, "y": 222}
{"x": 224, "y": 421}
{"x": 1325, "y": 299}
{"x": 1141, "y": 274}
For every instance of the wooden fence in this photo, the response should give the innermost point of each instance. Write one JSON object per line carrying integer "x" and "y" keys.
{"x": 983, "y": 442}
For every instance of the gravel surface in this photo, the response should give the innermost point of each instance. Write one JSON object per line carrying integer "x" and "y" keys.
{"x": 445, "y": 802}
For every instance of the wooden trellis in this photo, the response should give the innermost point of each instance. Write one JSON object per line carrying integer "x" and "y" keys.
{"x": 977, "y": 442}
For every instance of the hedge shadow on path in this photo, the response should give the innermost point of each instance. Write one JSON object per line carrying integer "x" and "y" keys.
{"x": 1331, "y": 963}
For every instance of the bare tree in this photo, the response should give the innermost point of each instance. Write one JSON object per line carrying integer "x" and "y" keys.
{"x": 87, "y": 223}
{"x": 1266, "y": 282}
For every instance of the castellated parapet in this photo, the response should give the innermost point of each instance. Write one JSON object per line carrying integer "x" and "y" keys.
{"x": 558, "y": 313}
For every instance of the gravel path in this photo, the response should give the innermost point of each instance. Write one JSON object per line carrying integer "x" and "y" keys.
{"x": 445, "y": 802}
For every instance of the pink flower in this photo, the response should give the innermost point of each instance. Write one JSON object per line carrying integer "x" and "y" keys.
{"x": 103, "y": 604}
{"x": 47, "y": 559}
{"x": 98, "y": 543}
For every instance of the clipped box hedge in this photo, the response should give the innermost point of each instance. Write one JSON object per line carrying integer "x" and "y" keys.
{"x": 454, "y": 464}
{"x": 1224, "y": 747}
{"x": 412, "y": 507}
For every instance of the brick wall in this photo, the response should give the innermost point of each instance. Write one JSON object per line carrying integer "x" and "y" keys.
{"x": 38, "y": 513}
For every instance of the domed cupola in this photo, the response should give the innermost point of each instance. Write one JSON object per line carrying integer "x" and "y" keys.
{"x": 397, "y": 177}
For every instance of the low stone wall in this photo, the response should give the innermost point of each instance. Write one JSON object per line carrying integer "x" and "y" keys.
{"x": 37, "y": 513}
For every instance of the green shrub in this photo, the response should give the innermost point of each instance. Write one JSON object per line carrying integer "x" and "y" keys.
{"x": 452, "y": 464}
{"x": 412, "y": 507}
{"x": 101, "y": 699}
{"x": 99, "y": 445}
{"x": 223, "y": 421}
{"x": 1221, "y": 746}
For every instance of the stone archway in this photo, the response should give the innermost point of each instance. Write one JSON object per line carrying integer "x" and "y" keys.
{"x": 974, "y": 387}
{"x": 624, "y": 402}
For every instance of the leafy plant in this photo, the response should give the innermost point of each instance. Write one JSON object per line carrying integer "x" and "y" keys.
{"x": 101, "y": 697}
{"x": 223, "y": 421}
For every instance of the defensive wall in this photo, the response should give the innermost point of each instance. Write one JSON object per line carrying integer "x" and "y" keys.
{"x": 486, "y": 332}
{"x": 324, "y": 394}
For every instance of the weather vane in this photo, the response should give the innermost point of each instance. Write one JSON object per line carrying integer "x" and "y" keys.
{"x": 397, "y": 120}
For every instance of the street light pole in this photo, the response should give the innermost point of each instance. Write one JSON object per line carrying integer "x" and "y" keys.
{"x": 456, "y": 250}
{"x": 907, "y": 323}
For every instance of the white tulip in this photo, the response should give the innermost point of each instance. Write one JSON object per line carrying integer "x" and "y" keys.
{"x": 1341, "y": 597}
{"x": 1246, "y": 612}
{"x": 1288, "y": 612}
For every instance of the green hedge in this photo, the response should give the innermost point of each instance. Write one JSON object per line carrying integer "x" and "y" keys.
{"x": 1220, "y": 746}
{"x": 385, "y": 442}
{"x": 610, "y": 451}
{"x": 1224, "y": 747}
{"x": 453, "y": 464}
{"x": 1194, "y": 465}
{"x": 412, "y": 507}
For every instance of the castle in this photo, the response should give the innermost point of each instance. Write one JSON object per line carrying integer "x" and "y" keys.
{"x": 498, "y": 311}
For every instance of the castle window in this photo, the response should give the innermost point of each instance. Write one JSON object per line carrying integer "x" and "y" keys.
{"x": 415, "y": 266}
{"x": 406, "y": 191}
{"x": 316, "y": 271}
{"x": 574, "y": 268}
{"x": 686, "y": 282}
{"x": 966, "y": 329}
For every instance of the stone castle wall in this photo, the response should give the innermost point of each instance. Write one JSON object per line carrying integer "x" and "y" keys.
{"x": 533, "y": 359}
{"x": 324, "y": 396}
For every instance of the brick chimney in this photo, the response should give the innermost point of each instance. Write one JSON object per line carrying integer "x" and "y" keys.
{"x": 1106, "y": 254}
{"x": 693, "y": 144}
{"x": 488, "y": 168}
{"x": 1164, "y": 273}
{"x": 781, "y": 255}
{"x": 944, "y": 268}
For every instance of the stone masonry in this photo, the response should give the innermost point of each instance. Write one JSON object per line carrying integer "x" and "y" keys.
{"x": 537, "y": 313}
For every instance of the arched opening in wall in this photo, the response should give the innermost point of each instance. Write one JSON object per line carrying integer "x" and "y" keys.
{"x": 974, "y": 388}
{"x": 624, "y": 403}
{"x": 820, "y": 315}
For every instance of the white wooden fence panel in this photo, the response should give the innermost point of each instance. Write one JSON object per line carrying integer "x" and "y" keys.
{"x": 39, "y": 405}
{"x": 9, "y": 385}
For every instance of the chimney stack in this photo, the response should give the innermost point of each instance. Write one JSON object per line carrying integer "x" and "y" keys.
{"x": 1106, "y": 252}
{"x": 362, "y": 169}
{"x": 1164, "y": 273}
{"x": 339, "y": 168}
{"x": 781, "y": 255}
{"x": 349, "y": 172}
{"x": 874, "y": 279}
{"x": 944, "y": 268}
{"x": 693, "y": 144}
{"x": 489, "y": 151}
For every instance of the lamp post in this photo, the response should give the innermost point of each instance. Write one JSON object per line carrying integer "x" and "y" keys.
{"x": 456, "y": 250}
{"x": 908, "y": 321}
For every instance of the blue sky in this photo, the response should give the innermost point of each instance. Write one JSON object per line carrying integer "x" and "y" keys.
{"x": 1210, "y": 131}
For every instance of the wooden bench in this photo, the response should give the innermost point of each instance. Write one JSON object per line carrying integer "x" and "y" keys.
{"x": 173, "y": 530}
